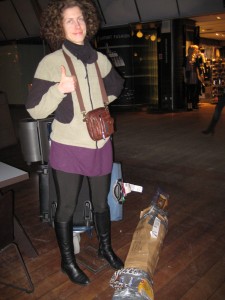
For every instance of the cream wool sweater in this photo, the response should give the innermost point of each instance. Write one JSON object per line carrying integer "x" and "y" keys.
{"x": 44, "y": 98}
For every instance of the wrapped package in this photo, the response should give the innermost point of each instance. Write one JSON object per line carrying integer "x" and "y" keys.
{"x": 147, "y": 241}
{"x": 144, "y": 251}
{"x": 131, "y": 283}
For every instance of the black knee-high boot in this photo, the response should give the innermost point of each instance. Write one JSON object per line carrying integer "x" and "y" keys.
{"x": 64, "y": 235}
{"x": 103, "y": 229}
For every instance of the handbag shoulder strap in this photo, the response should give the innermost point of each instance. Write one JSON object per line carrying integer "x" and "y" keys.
{"x": 79, "y": 96}
{"x": 73, "y": 73}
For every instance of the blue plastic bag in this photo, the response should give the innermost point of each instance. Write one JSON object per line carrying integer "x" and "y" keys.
{"x": 116, "y": 195}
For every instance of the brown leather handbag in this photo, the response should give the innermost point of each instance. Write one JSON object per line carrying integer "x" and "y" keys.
{"x": 100, "y": 124}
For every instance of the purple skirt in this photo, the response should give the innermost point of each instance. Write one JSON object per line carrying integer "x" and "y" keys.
{"x": 78, "y": 160}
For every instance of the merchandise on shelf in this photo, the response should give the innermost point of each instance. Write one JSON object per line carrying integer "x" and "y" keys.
{"x": 218, "y": 79}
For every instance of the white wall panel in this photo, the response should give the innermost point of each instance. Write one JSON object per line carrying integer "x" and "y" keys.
{"x": 28, "y": 16}
{"x": 43, "y": 3}
{"x": 10, "y": 24}
{"x": 200, "y": 7}
{"x": 157, "y": 10}
{"x": 117, "y": 12}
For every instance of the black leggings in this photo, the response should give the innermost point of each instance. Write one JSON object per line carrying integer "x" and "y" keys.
{"x": 68, "y": 186}
{"x": 193, "y": 94}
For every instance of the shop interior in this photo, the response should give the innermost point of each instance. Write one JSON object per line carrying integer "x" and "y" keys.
{"x": 212, "y": 51}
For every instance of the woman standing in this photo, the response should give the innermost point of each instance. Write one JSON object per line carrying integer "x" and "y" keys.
{"x": 68, "y": 25}
{"x": 192, "y": 78}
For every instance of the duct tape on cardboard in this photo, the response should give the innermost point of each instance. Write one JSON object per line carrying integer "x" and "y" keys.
{"x": 145, "y": 246}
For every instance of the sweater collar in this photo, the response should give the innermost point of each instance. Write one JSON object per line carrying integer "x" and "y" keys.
{"x": 85, "y": 52}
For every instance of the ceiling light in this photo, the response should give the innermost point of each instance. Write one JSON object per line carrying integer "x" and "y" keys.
{"x": 218, "y": 18}
{"x": 139, "y": 34}
{"x": 153, "y": 37}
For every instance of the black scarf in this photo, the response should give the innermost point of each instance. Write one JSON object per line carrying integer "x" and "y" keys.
{"x": 85, "y": 52}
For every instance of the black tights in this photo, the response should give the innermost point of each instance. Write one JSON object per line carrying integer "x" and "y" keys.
{"x": 193, "y": 94}
{"x": 68, "y": 186}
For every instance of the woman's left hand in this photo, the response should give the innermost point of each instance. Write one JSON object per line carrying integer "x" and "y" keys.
{"x": 67, "y": 84}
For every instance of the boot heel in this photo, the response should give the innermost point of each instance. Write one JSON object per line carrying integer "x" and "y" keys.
{"x": 75, "y": 274}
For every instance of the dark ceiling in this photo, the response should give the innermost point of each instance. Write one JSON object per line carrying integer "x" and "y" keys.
{"x": 19, "y": 19}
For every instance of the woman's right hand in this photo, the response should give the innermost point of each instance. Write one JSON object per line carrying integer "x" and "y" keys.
{"x": 67, "y": 84}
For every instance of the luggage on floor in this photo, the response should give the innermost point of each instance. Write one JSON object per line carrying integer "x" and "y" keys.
{"x": 83, "y": 216}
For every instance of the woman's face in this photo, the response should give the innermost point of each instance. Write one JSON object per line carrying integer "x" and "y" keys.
{"x": 74, "y": 25}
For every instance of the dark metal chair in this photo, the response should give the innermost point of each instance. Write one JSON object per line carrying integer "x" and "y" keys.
{"x": 7, "y": 238}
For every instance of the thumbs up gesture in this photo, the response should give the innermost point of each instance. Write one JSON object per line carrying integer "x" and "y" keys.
{"x": 67, "y": 84}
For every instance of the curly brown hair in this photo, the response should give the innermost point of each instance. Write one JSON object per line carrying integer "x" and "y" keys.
{"x": 51, "y": 20}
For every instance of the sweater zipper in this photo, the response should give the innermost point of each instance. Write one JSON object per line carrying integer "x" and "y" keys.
{"x": 89, "y": 88}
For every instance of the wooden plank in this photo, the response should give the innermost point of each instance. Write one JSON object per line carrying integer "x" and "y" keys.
{"x": 193, "y": 246}
{"x": 219, "y": 293}
{"x": 208, "y": 284}
{"x": 192, "y": 272}
{"x": 156, "y": 150}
